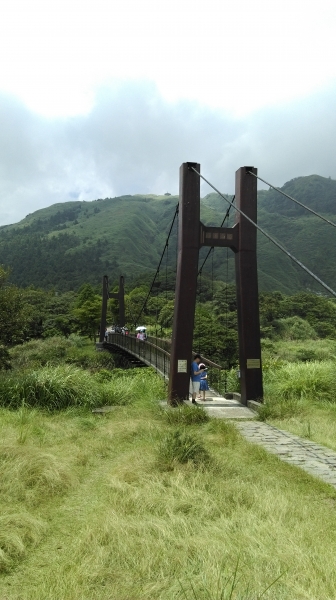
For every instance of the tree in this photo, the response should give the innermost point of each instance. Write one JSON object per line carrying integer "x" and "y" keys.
{"x": 88, "y": 316}
{"x": 13, "y": 313}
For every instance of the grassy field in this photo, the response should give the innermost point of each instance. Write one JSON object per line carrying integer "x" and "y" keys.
{"x": 150, "y": 503}
{"x": 94, "y": 507}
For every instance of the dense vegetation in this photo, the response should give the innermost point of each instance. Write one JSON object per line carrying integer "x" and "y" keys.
{"x": 69, "y": 244}
{"x": 32, "y": 313}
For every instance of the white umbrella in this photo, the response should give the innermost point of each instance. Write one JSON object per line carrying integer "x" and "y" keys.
{"x": 141, "y": 328}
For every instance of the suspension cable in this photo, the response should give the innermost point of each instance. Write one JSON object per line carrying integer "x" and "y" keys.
{"x": 294, "y": 200}
{"x": 226, "y": 310}
{"x": 107, "y": 287}
{"x": 131, "y": 314}
{"x": 167, "y": 251}
{"x": 199, "y": 315}
{"x": 212, "y": 294}
{"x": 274, "y": 241}
{"x": 227, "y": 214}
{"x": 159, "y": 265}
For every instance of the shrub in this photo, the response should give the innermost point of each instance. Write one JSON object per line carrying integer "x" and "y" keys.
{"x": 77, "y": 340}
{"x": 93, "y": 360}
{"x": 181, "y": 447}
{"x": 294, "y": 328}
{"x": 306, "y": 354}
{"x": 40, "y": 352}
{"x": 5, "y": 363}
{"x": 104, "y": 375}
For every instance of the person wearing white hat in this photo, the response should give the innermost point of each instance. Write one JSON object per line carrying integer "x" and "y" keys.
{"x": 203, "y": 382}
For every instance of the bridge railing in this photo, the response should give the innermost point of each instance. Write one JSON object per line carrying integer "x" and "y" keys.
{"x": 162, "y": 343}
{"x": 155, "y": 352}
{"x": 216, "y": 373}
{"x": 149, "y": 353}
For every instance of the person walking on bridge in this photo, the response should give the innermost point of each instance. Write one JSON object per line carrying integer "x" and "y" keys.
{"x": 195, "y": 377}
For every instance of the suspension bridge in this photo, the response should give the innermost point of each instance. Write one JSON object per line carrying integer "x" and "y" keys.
{"x": 172, "y": 358}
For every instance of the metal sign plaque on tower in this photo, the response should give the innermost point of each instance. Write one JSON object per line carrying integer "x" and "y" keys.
{"x": 242, "y": 239}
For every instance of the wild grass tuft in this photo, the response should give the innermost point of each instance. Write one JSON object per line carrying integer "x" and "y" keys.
{"x": 27, "y": 473}
{"x": 18, "y": 532}
{"x": 180, "y": 447}
{"x": 185, "y": 415}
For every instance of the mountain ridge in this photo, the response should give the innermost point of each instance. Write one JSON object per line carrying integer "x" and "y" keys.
{"x": 67, "y": 244}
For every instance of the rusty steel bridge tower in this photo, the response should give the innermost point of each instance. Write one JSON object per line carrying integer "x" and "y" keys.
{"x": 120, "y": 296}
{"x": 242, "y": 239}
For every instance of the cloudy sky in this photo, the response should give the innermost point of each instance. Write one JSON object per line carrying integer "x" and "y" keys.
{"x": 102, "y": 98}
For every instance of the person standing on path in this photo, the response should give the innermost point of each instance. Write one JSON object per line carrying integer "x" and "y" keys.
{"x": 195, "y": 377}
{"x": 203, "y": 383}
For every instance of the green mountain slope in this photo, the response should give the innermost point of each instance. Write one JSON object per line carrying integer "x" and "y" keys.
{"x": 67, "y": 244}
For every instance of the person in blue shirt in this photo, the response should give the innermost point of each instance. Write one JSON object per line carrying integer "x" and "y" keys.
{"x": 203, "y": 384}
{"x": 195, "y": 377}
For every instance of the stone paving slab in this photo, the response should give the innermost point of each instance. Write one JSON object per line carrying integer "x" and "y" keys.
{"x": 312, "y": 458}
{"x": 222, "y": 408}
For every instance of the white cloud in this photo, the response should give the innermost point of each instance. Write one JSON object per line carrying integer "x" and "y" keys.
{"x": 133, "y": 141}
{"x": 235, "y": 55}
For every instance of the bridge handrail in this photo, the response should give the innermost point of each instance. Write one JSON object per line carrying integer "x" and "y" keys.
{"x": 124, "y": 337}
{"x": 157, "y": 357}
{"x": 166, "y": 342}
{"x": 211, "y": 363}
{"x": 152, "y": 355}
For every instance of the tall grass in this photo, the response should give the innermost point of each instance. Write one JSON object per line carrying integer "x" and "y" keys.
{"x": 55, "y": 388}
{"x": 36, "y": 473}
{"x": 298, "y": 351}
{"x": 51, "y": 388}
{"x": 289, "y": 388}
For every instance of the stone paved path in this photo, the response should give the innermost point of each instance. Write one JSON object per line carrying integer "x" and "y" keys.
{"x": 313, "y": 458}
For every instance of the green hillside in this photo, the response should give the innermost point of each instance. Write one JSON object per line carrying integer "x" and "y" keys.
{"x": 69, "y": 243}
